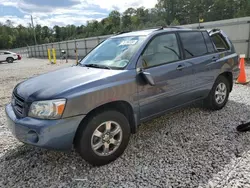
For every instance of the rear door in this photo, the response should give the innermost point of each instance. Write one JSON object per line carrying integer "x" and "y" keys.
{"x": 162, "y": 58}
{"x": 200, "y": 53}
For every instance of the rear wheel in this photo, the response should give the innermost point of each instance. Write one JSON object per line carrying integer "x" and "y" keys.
{"x": 10, "y": 60}
{"x": 103, "y": 138}
{"x": 219, "y": 94}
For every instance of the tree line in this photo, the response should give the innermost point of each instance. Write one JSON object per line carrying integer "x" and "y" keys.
{"x": 165, "y": 12}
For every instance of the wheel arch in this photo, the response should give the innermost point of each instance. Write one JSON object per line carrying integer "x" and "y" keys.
{"x": 121, "y": 106}
{"x": 229, "y": 76}
{"x": 10, "y": 58}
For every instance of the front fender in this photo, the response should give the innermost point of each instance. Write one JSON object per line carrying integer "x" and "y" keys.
{"x": 85, "y": 100}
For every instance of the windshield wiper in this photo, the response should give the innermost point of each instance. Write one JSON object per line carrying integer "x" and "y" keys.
{"x": 189, "y": 52}
{"x": 173, "y": 51}
{"x": 97, "y": 66}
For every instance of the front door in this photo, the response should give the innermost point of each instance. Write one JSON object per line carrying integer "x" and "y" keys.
{"x": 162, "y": 59}
{"x": 2, "y": 56}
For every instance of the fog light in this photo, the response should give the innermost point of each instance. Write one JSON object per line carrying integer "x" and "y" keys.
{"x": 32, "y": 137}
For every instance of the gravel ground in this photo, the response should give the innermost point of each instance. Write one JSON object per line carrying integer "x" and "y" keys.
{"x": 188, "y": 148}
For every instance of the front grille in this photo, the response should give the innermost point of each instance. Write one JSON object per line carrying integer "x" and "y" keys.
{"x": 18, "y": 105}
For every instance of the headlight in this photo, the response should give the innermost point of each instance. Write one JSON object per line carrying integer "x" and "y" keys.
{"x": 52, "y": 109}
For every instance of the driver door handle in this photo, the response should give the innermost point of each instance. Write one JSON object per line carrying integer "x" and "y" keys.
{"x": 180, "y": 67}
{"x": 215, "y": 58}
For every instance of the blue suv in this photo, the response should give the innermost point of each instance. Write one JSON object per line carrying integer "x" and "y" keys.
{"x": 126, "y": 80}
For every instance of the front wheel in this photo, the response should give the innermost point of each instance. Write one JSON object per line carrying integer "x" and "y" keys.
{"x": 103, "y": 138}
{"x": 219, "y": 94}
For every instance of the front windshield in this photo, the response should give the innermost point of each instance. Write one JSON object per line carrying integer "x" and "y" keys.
{"x": 114, "y": 52}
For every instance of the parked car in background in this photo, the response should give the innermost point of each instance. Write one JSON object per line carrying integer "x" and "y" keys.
{"x": 126, "y": 80}
{"x": 10, "y": 57}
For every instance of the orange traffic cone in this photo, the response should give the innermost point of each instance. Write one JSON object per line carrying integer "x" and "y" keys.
{"x": 242, "y": 79}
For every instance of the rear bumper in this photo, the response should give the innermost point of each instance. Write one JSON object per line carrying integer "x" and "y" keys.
{"x": 236, "y": 73}
{"x": 51, "y": 134}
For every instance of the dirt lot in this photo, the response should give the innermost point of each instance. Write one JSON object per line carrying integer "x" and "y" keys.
{"x": 192, "y": 147}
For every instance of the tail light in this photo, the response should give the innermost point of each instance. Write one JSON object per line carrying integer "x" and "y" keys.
{"x": 19, "y": 57}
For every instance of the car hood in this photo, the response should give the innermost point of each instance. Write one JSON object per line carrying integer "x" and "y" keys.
{"x": 52, "y": 84}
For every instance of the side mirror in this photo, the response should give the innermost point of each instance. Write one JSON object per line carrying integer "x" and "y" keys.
{"x": 148, "y": 78}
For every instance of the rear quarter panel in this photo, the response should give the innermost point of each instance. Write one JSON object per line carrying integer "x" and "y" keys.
{"x": 227, "y": 62}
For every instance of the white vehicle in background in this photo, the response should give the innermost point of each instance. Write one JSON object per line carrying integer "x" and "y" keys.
{"x": 10, "y": 57}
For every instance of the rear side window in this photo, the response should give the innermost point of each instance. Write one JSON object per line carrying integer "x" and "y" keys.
{"x": 219, "y": 42}
{"x": 210, "y": 46}
{"x": 6, "y": 53}
{"x": 193, "y": 44}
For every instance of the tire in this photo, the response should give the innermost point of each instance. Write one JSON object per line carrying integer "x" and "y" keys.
{"x": 212, "y": 102}
{"x": 10, "y": 60}
{"x": 85, "y": 140}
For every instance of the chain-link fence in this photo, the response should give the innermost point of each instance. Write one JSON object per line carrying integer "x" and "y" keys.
{"x": 83, "y": 46}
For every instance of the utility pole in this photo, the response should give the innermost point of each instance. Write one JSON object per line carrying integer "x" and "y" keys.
{"x": 121, "y": 23}
{"x": 32, "y": 23}
{"x": 201, "y": 19}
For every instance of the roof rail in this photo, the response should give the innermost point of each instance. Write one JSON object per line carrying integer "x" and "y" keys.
{"x": 121, "y": 32}
{"x": 161, "y": 28}
{"x": 176, "y": 27}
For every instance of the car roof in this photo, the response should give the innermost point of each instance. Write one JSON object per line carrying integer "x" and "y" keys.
{"x": 153, "y": 31}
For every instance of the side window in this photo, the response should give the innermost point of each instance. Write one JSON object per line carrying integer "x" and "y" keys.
{"x": 219, "y": 42}
{"x": 161, "y": 50}
{"x": 193, "y": 44}
{"x": 6, "y": 53}
{"x": 210, "y": 45}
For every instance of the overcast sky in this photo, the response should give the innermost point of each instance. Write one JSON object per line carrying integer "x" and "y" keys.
{"x": 64, "y": 12}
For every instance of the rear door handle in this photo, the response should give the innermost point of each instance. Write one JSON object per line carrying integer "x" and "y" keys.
{"x": 215, "y": 58}
{"x": 180, "y": 67}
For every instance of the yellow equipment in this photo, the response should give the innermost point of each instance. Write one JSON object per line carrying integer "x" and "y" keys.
{"x": 49, "y": 55}
{"x": 54, "y": 55}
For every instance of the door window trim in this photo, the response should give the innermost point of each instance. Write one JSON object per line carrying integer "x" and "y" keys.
{"x": 159, "y": 34}
{"x": 182, "y": 46}
{"x": 210, "y": 41}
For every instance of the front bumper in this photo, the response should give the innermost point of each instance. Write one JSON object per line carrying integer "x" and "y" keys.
{"x": 51, "y": 134}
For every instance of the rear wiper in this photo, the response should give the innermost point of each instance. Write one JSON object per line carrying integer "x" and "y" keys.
{"x": 97, "y": 66}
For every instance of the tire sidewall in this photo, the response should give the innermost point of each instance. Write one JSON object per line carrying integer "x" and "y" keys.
{"x": 84, "y": 142}
{"x": 220, "y": 79}
{"x": 10, "y": 60}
